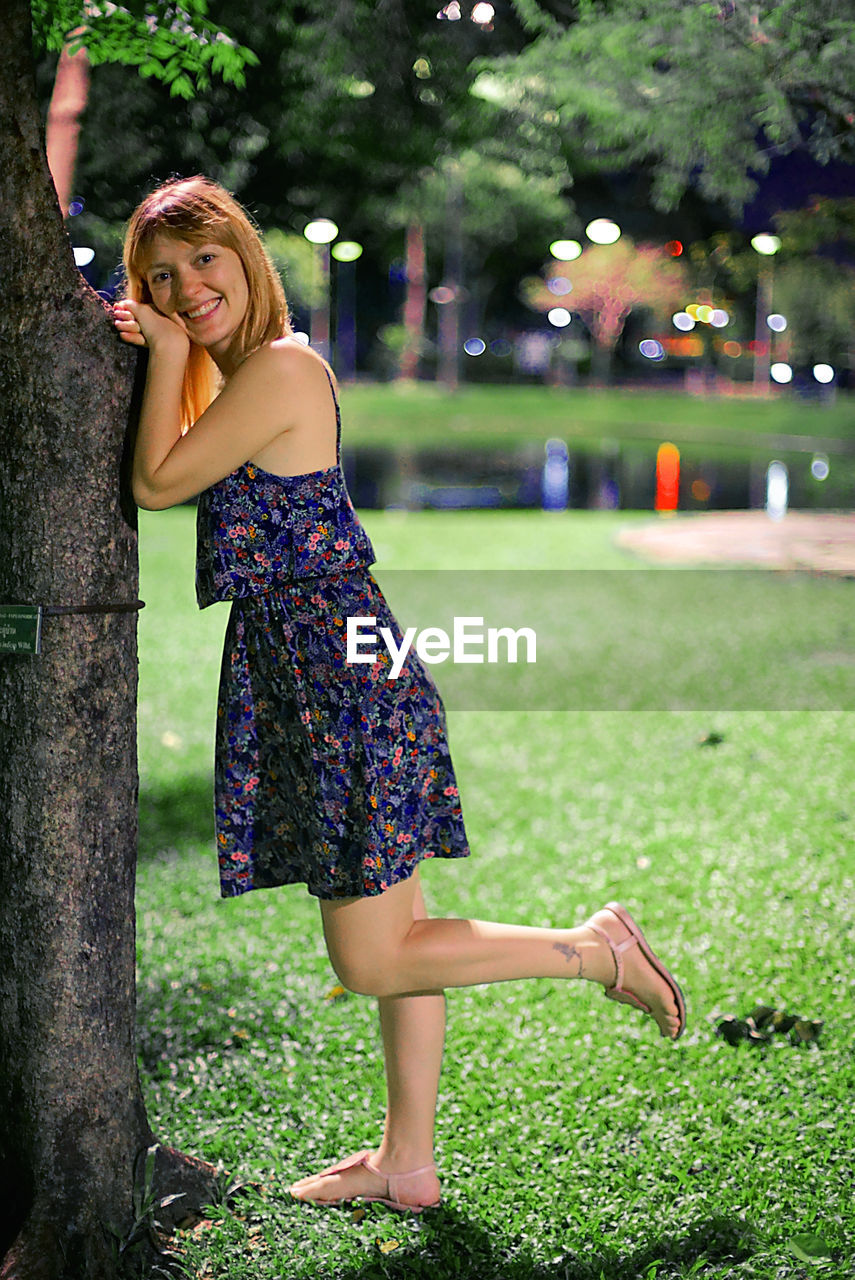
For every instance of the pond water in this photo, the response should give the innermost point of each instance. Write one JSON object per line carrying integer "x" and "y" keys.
{"x": 616, "y": 476}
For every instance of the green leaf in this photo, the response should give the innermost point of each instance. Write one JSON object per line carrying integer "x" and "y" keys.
{"x": 809, "y": 1247}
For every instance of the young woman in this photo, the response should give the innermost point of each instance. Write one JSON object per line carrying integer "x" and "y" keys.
{"x": 328, "y": 773}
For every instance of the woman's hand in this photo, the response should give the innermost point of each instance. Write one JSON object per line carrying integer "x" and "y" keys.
{"x": 144, "y": 326}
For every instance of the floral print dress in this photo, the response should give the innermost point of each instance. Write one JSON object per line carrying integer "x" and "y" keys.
{"x": 327, "y": 773}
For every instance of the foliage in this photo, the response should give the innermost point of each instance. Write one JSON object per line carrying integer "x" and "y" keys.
{"x": 177, "y": 44}
{"x": 700, "y": 94}
{"x": 824, "y": 223}
{"x": 343, "y": 99}
{"x": 502, "y": 202}
{"x": 817, "y": 296}
{"x": 610, "y": 281}
{"x": 811, "y": 287}
{"x": 297, "y": 262}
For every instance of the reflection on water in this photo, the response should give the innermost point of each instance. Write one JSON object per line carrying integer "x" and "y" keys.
{"x": 616, "y": 476}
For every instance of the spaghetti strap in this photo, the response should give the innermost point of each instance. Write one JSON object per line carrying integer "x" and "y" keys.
{"x": 331, "y": 381}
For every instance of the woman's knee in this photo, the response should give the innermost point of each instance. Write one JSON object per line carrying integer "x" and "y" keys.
{"x": 366, "y": 975}
{"x": 365, "y": 938}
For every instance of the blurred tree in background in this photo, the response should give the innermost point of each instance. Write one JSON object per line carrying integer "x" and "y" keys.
{"x": 608, "y": 282}
{"x": 360, "y": 112}
{"x": 696, "y": 94}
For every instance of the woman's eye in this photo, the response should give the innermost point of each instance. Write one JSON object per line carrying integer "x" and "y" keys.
{"x": 205, "y": 258}
{"x": 160, "y": 278}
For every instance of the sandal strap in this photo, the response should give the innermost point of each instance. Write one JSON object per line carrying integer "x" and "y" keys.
{"x": 392, "y": 1179}
{"x": 617, "y": 949}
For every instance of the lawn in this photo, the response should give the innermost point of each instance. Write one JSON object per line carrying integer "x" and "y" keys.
{"x": 425, "y": 415}
{"x": 573, "y": 1144}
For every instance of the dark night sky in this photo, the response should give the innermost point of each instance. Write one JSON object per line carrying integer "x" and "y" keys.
{"x": 791, "y": 182}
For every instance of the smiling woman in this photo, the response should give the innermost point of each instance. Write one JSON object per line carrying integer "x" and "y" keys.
{"x": 329, "y": 772}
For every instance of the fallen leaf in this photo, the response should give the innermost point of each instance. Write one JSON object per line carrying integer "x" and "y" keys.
{"x": 809, "y": 1247}
{"x": 387, "y": 1246}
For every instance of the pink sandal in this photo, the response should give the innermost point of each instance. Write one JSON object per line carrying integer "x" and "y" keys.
{"x": 391, "y": 1199}
{"x": 636, "y": 938}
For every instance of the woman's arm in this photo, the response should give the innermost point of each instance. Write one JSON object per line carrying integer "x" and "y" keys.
{"x": 261, "y": 400}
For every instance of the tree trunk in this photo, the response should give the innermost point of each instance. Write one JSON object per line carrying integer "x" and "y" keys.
{"x": 448, "y": 325}
{"x": 415, "y": 302}
{"x": 72, "y": 1119}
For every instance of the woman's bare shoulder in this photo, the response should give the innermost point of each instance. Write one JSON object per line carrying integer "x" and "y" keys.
{"x": 291, "y": 362}
{"x": 295, "y": 356}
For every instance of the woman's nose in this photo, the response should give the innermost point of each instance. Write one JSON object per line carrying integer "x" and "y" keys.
{"x": 187, "y": 286}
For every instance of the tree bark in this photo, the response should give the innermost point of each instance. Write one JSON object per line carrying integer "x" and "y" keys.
{"x": 72, "y": 1118}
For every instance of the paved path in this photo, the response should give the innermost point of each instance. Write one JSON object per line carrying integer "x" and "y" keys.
{"x": 819, "y": 540}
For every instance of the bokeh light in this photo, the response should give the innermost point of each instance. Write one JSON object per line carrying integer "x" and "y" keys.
{"x": 683, "y": 321}
{"x": 823, "y": 373}
{"x": 766, "y": 244}
{"x": 559, "y": 316}
{"x": 667, "y": 477}
{"x": 701, "y": 491}
{"x": 705, "y": 313}
{"x": 346, "y": 251}
{"x": 603, "y": 231}
{"x": 76, "y": 207}
{"x": 474, "y": 346}
{"x": 441, "y": 295}
{"x": 685, "y": 346}
{"x": 781, "y": 372}
{"x": 720, "y": 318}
{"x": 674, "y": 247}
{"x": 320, "y": 231}
{"x": 451, "y": 12}
{"x": 651, "y": 349}
{"x": 777, "y": 490}
{"x": 83, "y": 256}
{"x": 421, "y": 68}
{"x": 819, "y": 466}
{"x": 776, "y": 322}
{"x": 732, "y": 349}
{"x": 501, "y": 347}
{"x": 559, "y": 285}
{"x": 483, "y": 14}
{"x": 301, "y": 337}
{"x": 565, "y": 250}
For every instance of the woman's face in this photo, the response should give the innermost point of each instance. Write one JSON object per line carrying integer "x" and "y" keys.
{"x": 203, "y": 284}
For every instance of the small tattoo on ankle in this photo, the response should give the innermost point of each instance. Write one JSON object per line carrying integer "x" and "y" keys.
{"x": 570, "y": 954}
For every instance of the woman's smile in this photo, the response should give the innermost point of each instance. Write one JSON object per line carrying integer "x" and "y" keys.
{"x": 202, "y": 312}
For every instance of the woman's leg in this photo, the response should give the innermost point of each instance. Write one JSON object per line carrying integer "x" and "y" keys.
{"x": 413, "y": 1030}
{"x": 378, "y": 946}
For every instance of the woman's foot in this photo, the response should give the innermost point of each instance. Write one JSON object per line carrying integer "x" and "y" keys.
{"x": 361, "y": 1178}
{"x": 641, "y": 978}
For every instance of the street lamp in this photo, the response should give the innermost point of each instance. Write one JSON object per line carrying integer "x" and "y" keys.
{"x": 767, "y": 246}
{"x": 346, "y": 253}
{"x": 321, "y": 232}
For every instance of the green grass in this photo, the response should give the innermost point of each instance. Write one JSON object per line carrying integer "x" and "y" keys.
{"x": 425, "y": 415}
{"x": 573, "y": 1144}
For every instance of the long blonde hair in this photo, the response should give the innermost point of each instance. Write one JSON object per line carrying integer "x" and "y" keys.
{"x": 199, "y": 211}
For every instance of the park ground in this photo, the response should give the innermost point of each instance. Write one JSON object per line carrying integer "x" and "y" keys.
{"x": 573, "y": 1144}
